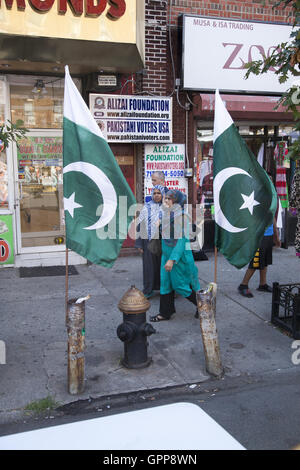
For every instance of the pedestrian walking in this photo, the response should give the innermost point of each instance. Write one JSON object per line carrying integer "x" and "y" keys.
{"x": 261, "y": 260}
{"x": 178, "y": 270}
{"x": 147, "y": 229}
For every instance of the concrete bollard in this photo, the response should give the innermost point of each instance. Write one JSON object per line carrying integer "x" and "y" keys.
{"x": 76, "y": 344}
{"x": 206, "y": 300}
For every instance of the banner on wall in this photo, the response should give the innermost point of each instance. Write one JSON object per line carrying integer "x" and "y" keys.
{"x": 132, "y": 118}
{"x": 6, "y": 240}
{"x": 171, "y": 160}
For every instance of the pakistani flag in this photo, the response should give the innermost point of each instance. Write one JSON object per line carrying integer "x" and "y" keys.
{"x": 96, "y": 194}
{"x": 245, "y": 199}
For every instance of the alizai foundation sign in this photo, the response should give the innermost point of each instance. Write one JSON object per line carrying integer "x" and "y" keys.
{"x": 132, "y": 118}
{"x": 167, "y": 158}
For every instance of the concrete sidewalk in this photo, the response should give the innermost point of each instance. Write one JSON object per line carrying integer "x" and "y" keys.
{"x": 33, "y": 328}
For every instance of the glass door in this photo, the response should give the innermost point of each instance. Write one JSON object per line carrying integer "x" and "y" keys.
{"x": 38, "y": 102}
{"x": 39, "y": 190}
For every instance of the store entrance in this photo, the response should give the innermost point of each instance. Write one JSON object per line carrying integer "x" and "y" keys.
{"x": 39, "y": 191}
{"x": 37, "y": 163}
{"x": 269, "y": 144}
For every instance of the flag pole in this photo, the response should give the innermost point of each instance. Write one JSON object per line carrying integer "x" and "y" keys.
{"x": 67, "y": 281}
{"x": 216, "y": 256}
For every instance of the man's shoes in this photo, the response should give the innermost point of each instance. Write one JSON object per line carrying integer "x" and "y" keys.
{"x": 148, "y": 296}
{"x": 265, "y": 288}
{"x": 244, "y": 291}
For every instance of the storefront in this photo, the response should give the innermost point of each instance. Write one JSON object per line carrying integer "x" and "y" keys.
{"x": 269, "y": 142}
{"x": 102, "y": 46}
{"x": 267, "y": 130}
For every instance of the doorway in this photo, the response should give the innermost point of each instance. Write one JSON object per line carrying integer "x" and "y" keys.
{"x": 39, "y": 191}
{"x": 37, "y": 163}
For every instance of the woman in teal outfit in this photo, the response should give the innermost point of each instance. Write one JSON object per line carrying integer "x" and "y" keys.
{"x": 178, "y": 271}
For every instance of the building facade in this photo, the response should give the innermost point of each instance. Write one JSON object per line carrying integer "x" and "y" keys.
{"x": 148, "y": 71}
{"x": 103, "y": 45}
{"x": 207, "y": 45}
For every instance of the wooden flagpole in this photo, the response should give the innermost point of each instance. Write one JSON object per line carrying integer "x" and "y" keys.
{"x": 216, "y": 256}
{"x": 67, "y": 281}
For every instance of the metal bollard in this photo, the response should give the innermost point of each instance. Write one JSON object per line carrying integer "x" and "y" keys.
{"x": 75, "y": 323}
{"x": 134, "y": 330}
{"x": 206, "y": 300}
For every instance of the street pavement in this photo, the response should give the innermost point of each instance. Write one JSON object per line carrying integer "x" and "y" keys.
{"x": 33, "y": 329}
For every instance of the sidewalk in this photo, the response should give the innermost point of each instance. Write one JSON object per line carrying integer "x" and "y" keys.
{"x": 33, "y": 328}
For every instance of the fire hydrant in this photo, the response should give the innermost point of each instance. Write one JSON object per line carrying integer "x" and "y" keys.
{"x": 134, "y": 330}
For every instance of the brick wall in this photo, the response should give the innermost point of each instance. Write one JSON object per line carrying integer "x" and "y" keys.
{"x": 154, "y": 81}
{"x": 248, "y": 10}
{"x": 161, "y": 42}
{"x": 163, "y": 50}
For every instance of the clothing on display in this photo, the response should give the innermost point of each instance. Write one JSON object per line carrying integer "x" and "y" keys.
{"x": 281, "y": 154}
{"x": 205, "y": 189}
{"x": 295, "y": 203}
{"x": 281, "y": 186}
{"x": 260, "y": 156}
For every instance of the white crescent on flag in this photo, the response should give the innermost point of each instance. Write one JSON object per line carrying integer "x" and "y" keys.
{"x": 219, "y": 180}
{"x": 105, "y": 187}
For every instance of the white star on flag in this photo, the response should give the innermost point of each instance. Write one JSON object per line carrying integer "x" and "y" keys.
{"x": 70, "y": 204}
{"x": 249, "y": 202}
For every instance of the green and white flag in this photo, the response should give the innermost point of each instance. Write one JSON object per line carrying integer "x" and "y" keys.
{"x": 245, "y": 199}
{"x": 96, "y": 194}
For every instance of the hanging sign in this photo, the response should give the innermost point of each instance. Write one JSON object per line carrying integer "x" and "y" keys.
{"x": 132, "y": 118}
{"x": 223, "y": 48}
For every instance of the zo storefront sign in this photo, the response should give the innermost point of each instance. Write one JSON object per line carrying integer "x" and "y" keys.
{"x": 132, "y": 118}
{"x": 171, "y": 160}
{"x": 223, "y": 48}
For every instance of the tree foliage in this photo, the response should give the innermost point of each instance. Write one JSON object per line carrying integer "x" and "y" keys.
{"x": 12, "y": 132}
{"x": 285, "y": 62}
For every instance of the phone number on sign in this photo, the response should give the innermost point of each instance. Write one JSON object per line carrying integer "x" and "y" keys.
{"x": 168, "y": 173}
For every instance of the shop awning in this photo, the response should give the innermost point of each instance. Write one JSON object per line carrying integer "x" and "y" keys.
{"x": 46, "y": 55}
{"x": 45, "y": 38}
{"x": 244, "y": 103}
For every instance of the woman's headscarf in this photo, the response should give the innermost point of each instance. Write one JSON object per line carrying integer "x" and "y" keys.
{"x": 172, "y": 226}
{"x": 177, "y": 197}
{"x": 151, "y": 212}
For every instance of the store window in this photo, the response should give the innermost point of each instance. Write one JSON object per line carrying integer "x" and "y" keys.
{"x": 38, "y": 103}
{"x": 205, "y": 171}
{"x": 3, "y": 155}
{"x": 40, "y": 181}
